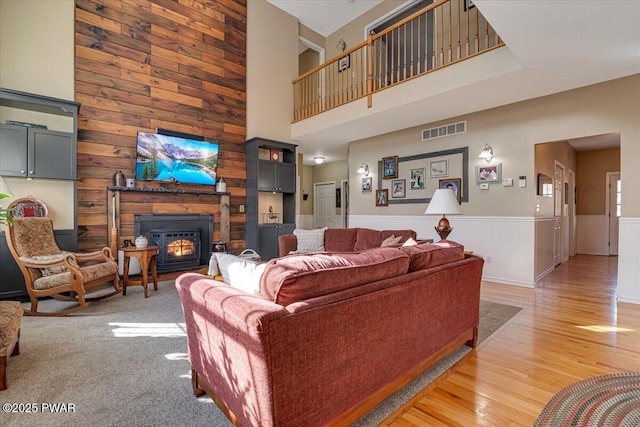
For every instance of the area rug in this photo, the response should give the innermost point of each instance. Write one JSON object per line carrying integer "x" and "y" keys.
{"x": 122, "y": 361}
{"x": 608, "y": 400}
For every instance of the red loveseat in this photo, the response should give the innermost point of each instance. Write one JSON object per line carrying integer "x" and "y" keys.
{"x": 330, "y": 335}
{"x": 346, "y": 239}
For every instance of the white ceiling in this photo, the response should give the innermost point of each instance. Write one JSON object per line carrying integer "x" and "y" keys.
{"x": 325, "y": 16}
{"x": 561, "y": 45}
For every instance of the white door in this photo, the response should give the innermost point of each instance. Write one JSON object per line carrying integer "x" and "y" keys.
{"x": 558, "y": 184}
{"x": 614, "y": 188}
{"x": 325, "y": 205}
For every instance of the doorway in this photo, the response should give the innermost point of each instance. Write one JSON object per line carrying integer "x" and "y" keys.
{"x": 325, "y": 204}
{"x": 613, "y": 209}
{"x": 558, "y": 214}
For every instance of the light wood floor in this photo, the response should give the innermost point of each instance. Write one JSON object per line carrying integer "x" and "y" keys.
{"x": 570, "y": 328}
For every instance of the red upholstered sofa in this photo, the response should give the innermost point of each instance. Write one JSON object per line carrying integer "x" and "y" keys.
{"x": 346, "y": 239}
{"x": 331, "y": 334}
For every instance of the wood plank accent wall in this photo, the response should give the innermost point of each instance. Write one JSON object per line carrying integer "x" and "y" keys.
{"x": 142, "y": 65}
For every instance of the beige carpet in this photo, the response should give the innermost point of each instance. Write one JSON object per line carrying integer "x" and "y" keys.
{"x": 123, "y": 362}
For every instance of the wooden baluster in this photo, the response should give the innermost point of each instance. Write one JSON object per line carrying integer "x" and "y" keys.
{"x": 441, "y": 35}
{"x": 450, "y": 34}
{"x": 486, "y": 34}
{"x": 477, "y": 42}
{"x": 467, "y": 17}
{"x": 459, "y": 49}
{"x": 370, "y": 72}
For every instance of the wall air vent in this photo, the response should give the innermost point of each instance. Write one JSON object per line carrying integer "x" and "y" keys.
{"x": 445, "y": 130}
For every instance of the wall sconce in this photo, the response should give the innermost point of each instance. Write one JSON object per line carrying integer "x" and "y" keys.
{"x": 342, "y": 45}
{"x": 318, "y": 160}
{"x": 363, "y": 169}
{"x": 487, "y": 153}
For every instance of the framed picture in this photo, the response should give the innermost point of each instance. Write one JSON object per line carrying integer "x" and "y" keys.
{"x": 398, "y": 187}
{"x": 545, "y": 185}
{"x": 468, "y": 4}
{"x": 417, "y": 178}
{"x": 382, "y": 197}
{"x": 344, "y": 63}
{"x": 438, "y": 168}
{"x": 367, "y": 183}
{"x": 390, "y": 167}
{"x": 455, "y": 184}
{"x": 489, "y": 173}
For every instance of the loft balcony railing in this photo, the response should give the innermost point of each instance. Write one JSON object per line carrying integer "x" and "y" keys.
{"x": 441, "y": 34}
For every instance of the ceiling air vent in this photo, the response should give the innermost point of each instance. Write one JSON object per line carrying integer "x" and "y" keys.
{"x": 445, "y": 130}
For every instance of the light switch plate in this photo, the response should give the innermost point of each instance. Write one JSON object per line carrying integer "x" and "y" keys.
{"x": 484, "y": 186}
{"x": 507, "y": 182}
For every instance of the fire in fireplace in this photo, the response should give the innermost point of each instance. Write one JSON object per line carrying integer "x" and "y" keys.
{"x": 184, "y": 240}
{"x": 179, "y": 249}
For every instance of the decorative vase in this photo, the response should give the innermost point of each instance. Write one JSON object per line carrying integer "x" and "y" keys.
{"x": 141, "y": 242}
{"x": 222, "y": 186}
{"x": 118, "y": 179}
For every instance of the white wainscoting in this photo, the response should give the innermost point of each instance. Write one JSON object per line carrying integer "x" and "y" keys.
{"x": 629, "y": 260}
{"x": 506, "y": 243}
{"x": 544, "y": 257}
{"x": 593, "y": 234}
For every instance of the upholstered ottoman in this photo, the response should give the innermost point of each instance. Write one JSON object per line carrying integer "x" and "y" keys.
{"x": 10, "y": 320}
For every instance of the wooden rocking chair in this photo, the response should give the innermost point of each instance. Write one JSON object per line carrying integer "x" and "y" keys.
{"x": 50, "y": 271}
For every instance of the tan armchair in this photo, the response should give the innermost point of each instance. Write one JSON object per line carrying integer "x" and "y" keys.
{"x": 50, "y": 271}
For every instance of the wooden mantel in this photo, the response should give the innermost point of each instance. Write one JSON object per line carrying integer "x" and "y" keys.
{"x": 123, "y": 203}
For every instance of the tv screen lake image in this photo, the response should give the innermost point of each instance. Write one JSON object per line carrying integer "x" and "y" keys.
{"x": 167, "y": 158}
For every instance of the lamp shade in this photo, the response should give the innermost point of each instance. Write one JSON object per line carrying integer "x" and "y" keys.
{"x": 363, "y": 169}
{"x": 443, "y": 202}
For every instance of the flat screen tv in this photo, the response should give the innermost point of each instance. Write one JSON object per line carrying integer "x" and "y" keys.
{"x": 171, "y": 158}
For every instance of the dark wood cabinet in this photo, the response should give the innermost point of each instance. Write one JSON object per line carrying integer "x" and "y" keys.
{"x": 264, "y": 178}
{"x": 36, "y": 153}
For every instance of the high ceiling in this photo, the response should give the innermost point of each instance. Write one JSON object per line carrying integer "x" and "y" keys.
{"x": 560, "y": 45}
{"x": 325, "y": 16}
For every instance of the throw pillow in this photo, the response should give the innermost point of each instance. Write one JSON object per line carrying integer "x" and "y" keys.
{"x": 238, "y": 272}
{"x": 310, "y": 240}
{"x": 410, "y": 242}
{"x": 48, "y": 271}
{"x": 390, "y": 241}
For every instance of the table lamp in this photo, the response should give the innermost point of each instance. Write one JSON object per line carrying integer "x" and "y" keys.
{"x": 443, "y": 202}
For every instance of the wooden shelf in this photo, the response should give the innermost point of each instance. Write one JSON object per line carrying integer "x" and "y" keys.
{"x": 167, "y": 190}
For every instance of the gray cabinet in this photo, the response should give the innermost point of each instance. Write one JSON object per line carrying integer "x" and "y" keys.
{"x": 265, "y": 177}
{"x": 276, "y": 176}
{"x": 36, "y": 153}
{"x": 268, "y": 238}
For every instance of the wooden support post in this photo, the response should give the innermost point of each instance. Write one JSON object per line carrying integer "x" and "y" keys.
{"x": 113, "y": 219}
{"x": 225, "y": 227}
